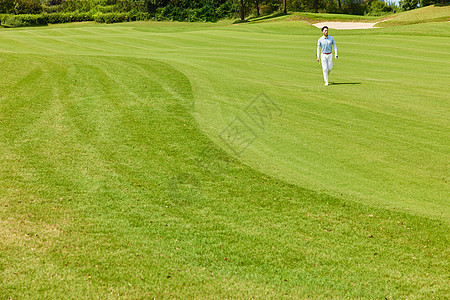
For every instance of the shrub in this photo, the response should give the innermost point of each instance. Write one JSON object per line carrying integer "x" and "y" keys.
{"x": 112, "y": 11}
{"x": 111, "y": 17}
{"x": 378, "y": 8}
{"x": 227, "y": 10}
{"x": 141, "y": 16}
{"x": 10, "y": 20}
{"x": 270, "y": 7}
{"x": 408, "y": 4}
{"x": 105, "y": 9}
{"x": 208, "y": 14}
{"x": 76, "y": 6}
{"x": 27, "y": 7}
{"x": 22, "y": 20}
{"x": 56, "y": 18}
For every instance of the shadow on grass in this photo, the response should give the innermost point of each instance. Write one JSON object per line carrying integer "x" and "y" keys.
{"x": 22, "y": 26}
{"x": 339, "y": 83}
{"x": 240, "y": 21}
{"x": 272, "y": 16}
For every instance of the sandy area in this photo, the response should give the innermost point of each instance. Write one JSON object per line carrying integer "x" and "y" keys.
{"x": 345, "y": 25}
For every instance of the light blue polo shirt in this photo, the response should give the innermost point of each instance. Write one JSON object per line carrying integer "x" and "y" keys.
{"x": 325, "y": 44}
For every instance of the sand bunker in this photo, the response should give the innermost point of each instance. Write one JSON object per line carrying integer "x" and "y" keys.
{"x": 345, "y": 25}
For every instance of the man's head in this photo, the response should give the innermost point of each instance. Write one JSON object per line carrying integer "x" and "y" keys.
{"x": 325, "y": 31}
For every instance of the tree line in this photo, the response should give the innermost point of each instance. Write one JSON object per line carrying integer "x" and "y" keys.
{"x": 186, "y": 10}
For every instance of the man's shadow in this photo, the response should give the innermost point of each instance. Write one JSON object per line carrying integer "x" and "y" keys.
{"x": 338, "y": 83}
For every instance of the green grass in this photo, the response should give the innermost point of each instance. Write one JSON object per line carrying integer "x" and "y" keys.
{"x": 116, "y": 181}
{"x": 313, "y": 17}
{"x": 431, "y": 13}
{"x": 318, "y": 17}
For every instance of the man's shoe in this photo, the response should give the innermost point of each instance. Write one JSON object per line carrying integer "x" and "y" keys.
{"x": 326, "y": 83}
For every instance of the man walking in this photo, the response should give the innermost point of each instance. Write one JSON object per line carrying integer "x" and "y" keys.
{"x": 324, "y": 47}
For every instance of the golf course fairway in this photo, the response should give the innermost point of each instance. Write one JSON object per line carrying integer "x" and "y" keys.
{"x": 189, "y": 160}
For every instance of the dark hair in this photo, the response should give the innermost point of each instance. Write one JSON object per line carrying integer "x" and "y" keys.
{"x": 324, "y": 28}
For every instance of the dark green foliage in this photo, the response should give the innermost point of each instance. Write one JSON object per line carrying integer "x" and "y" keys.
{"x": 74, "y": 5}
{"x": 227, "y": 9}
{"x": 177, "y": 10}
{"x": 301, "y": 5}
{"x": 109, "y": 11}
{"x": 111, "y": 17}
{"x": 56, "y": 18}
{"x": 378, "y": 8}
{"x": 11, "y": 20}
{"x": 132, "y": 6}
{"x": 408, "y": 4}
{"x": 268, "y": 7}
{"x": 22, "y": 20}
{"x": 430, "y": 2}
{"x": 20, "y": 6}
{"x": 174, "y": 13}
{"x": 6, "y": 6}
{"x": 354, "y": 7}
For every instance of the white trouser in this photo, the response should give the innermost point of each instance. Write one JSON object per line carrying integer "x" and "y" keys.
{"x": 327, "y": 65}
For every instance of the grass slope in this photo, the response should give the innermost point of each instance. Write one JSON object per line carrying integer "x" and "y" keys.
{"x": 313, "y": 17}
{"x": 431, "y": 13}
{"x": 114, "y": 182}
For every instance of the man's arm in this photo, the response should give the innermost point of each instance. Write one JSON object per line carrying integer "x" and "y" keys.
{"x": 335, "y": 49}
{"x": 318, "y": 50}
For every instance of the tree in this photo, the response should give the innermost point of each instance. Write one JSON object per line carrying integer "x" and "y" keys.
{"x": 284, "y": 7}
{"x": 429, "y": 2}
{"x": 6, "y": 6}
{"x": 27, "y": 7}
{"x": 408, "y": 4}
{"x": 242, "y": 11}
